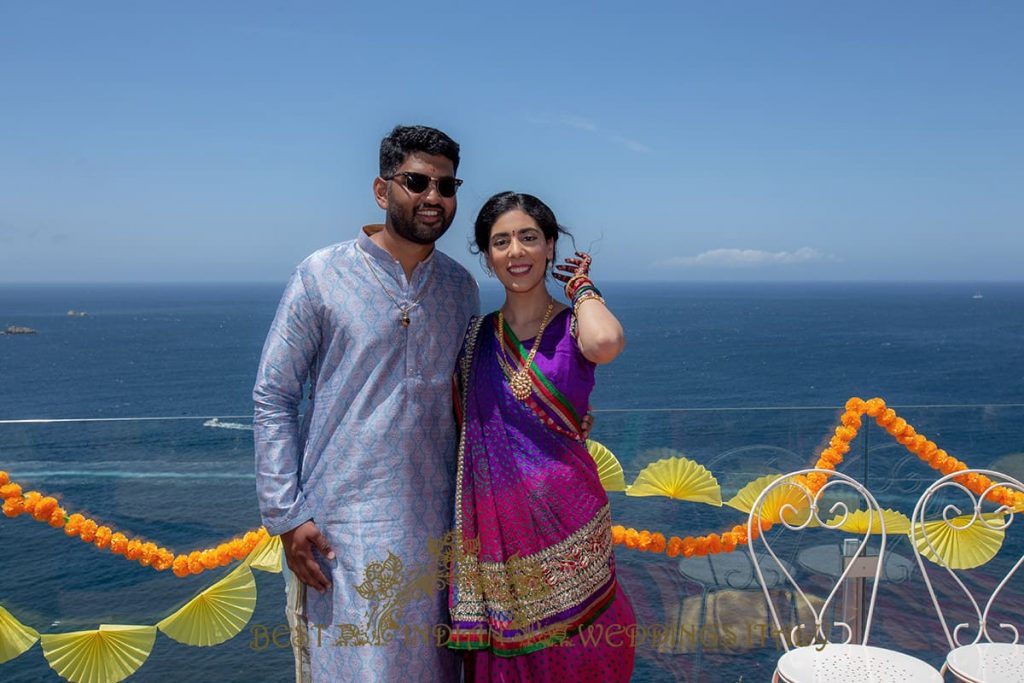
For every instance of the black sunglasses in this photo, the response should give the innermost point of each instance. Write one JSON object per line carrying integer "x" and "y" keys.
{"x": 418, "y": 182}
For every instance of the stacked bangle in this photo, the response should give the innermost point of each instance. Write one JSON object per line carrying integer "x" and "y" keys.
{"x": 577, "y": 302}
{"x": 584, "y": 292}
{"x": 575, "y": 283}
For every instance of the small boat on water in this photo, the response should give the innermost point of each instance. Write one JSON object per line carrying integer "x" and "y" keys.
{"x": 977, "y": 295}
{"x": 15, "y": 329}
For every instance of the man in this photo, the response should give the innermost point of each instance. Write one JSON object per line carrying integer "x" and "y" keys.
{"x": 359, "y": 489}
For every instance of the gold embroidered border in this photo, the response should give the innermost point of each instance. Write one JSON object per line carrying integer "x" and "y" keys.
{"x": 525, "y": 590}
{"x": 472, "y": 334}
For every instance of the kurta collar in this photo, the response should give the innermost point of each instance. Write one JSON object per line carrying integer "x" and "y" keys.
{"x": 386, "y": 260}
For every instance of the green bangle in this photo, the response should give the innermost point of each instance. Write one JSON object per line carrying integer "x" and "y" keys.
{"x": 579, "y": 301}
{"x": 585, "y": 288}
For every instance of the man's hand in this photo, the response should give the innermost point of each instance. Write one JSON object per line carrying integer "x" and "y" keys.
{"x": 298, "y": 551}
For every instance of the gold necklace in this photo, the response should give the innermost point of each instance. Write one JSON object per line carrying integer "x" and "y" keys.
{"x": 519, "y": 380}
{"x": 404, "y": 310}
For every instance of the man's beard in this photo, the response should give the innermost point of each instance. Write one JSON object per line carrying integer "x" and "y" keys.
{"x": 407, "y": 227}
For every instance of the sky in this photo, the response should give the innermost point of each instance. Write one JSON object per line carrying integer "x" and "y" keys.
{"x": 704, "y": 141}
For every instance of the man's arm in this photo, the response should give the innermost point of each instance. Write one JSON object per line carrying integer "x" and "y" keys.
{"x": 287, "y": 360}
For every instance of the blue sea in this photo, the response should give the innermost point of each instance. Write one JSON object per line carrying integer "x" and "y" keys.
{"x": 136, "y": 413}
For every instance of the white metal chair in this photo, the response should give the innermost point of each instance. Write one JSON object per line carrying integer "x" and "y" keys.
{"x": 810, "y": 654}
{"x": 976, "y": 657}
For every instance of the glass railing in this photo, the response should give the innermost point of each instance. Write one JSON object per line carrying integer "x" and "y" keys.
{"x": 187, "y": 483}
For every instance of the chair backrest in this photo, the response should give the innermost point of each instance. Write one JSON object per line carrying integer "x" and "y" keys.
{"x": 792, "y": 503}
{"x": 950, "y": 516}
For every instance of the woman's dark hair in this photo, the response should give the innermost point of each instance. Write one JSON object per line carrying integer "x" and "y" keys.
{"x": 503, "y": 202}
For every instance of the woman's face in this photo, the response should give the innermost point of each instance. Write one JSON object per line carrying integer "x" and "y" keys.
{"x": 517, "y": 252}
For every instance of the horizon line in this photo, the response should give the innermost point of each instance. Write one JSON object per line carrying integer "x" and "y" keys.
{"x": 487, "y": 283}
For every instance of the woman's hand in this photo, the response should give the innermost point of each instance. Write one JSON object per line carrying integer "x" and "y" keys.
{"x": 574, "y": 266}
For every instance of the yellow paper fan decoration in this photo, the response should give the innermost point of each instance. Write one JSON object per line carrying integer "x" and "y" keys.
{"x": 15, "y": 637}
{"x": 679, "y": 478}
{"x": 218, "y": 613}
{"x": 266, "y": 556}
{"x": 608, "y": 467}
{"x": 745, "y": 497}
{"x": 896, "y": 523}
{"x": 773, "y": 504}
{"x": 106, "y": 655}
{"x": 961, "y": 546}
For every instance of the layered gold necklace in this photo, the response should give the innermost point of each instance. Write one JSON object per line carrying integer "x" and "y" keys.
{"x": 519, "y": 380}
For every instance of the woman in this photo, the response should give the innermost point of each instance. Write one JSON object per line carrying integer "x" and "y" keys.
{"x": 533, "y": 594}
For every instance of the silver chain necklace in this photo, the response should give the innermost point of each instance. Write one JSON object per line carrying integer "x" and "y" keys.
{"x": 404, "y": 310}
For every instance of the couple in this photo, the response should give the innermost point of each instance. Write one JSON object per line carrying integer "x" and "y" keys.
{"x": 362, "y": 491}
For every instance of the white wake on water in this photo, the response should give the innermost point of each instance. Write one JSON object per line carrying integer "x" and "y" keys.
{"x": 214, "y": 422}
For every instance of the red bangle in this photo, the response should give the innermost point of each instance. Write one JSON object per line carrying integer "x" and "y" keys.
{"x": 574, "y": 283}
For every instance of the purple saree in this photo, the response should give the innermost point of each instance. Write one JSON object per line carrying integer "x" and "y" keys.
{"x": 533, "y": 594}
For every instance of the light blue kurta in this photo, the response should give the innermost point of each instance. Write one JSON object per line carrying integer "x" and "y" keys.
{"x": 373, "y": 463}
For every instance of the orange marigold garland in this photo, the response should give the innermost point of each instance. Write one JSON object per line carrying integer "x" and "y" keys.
{"x": 47, "y": 509}
{"x": 839, "y": 445}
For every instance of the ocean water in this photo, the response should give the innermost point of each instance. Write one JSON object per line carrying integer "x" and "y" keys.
{"x": 745, "y": 379}
{"x": 193, "y": 349}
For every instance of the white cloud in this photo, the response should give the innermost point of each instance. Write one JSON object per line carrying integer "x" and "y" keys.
{"x": 577, "y": 122}
{"x": 588, "y": 126}
{"x": 748, "y": 258}
{"x": 631, "y": 145}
